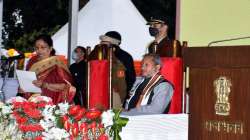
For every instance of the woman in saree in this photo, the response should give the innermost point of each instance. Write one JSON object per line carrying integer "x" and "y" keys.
{"x": 53, "y": 76}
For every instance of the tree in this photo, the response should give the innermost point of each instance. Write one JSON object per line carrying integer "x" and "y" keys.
{"x": 36, "y": 16}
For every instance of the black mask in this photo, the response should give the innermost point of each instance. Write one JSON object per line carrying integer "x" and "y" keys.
{"x": 153, "y": 31}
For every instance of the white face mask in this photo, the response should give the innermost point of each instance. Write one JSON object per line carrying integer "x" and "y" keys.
{"x": 74, "y": 56}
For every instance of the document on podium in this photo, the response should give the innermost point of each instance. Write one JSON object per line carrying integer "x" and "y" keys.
{"x": 25, "y": 79}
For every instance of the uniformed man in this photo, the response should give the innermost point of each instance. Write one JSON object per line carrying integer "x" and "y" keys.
{"x": 162, "y": 45}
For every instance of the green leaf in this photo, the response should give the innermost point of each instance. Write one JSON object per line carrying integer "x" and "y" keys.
{"x": 122, "y": 121}
{"x": 119, "y": 122}
{"x": 59, "y": 122}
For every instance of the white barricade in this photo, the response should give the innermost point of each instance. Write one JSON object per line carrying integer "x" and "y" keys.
{"x": 156, "y": 127}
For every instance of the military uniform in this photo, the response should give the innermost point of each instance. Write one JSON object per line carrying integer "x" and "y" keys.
{"x": 166, "y": 48}
{"x": 119, "y": 87}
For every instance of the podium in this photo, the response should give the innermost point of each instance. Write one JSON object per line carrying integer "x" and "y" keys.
{"x": 219, "y": 92}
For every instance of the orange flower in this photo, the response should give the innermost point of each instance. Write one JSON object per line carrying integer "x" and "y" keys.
{"x": 74, "y": 109}
{"x": 103, "y": 137}
{"x": 93, "y": 114}
{"x": 67, "y": 125}
{"x": 31, "y": 127}
{"x": 38, "y": 138}
{"x": 80, "y": 114}
{"x": 33, "y": 113}
{"x": 21, "y": 120}
{"x": 41, "y": 104}
{"x": 84, "y": 127}
{"x": 75, "y": 129}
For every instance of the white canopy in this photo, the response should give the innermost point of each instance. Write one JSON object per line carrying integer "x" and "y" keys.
{"x": 100, "y": 16}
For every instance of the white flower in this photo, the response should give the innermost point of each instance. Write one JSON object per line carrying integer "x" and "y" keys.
{"x": 47, "y": 136}
{"x": 40, "y": 98}
{"x": 107, "y": 118}
{"x": 63, "y": 109}
{"x": 6, "y": 109}
{"x": 49, "y": 119}
{"x": 48, "y": 110}
{"x": 1, "y": 104}
{"x": 10, "y": 132}
{"x": 16, "y": 99}
{"x": 55, "y": 134}
{"x": 4, "y": 52}
{"x": 46, "y": 124}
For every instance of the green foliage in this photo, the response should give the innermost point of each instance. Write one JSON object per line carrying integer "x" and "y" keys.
{"x": 119, "y": 122}
{"x": 25, "y": 42}
{"x": 37, "y": 16}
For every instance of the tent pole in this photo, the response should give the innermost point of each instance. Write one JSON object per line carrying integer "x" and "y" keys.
{"x": 72, "y": 30}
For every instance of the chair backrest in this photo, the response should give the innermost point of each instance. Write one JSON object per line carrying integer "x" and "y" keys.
{"x": 99, "y": 82}
{"x": 172, "y": 70}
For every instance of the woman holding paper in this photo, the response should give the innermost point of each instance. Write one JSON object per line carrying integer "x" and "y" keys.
{"x": 53, "y": 76}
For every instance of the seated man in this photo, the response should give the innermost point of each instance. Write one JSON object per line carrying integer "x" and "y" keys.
{"x": 152, "y": 93}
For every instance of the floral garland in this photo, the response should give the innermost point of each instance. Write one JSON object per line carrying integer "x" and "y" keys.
{"x": 39, "y": 119}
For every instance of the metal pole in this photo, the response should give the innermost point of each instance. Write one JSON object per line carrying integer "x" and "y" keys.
{"x": 110, "y": 78}
{"x": 184, "y": 91}
{"x": 72, "y": 30}
{"x": 88, "y": 75}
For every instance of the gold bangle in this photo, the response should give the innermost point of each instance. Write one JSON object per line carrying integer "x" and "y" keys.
{"x": 44, "y": 85}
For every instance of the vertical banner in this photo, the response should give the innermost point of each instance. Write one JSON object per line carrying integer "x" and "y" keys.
{"x": 99, "y": 95}
{"x": 172, "y": 70}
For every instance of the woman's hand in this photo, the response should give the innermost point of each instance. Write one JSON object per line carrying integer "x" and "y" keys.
{"x": 38, "y": 83}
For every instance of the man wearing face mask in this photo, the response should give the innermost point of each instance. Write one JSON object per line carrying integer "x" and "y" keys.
{"x": 162, "y": 45}
{"x": 150, "y": 94}
{"x": 78, "y": 72}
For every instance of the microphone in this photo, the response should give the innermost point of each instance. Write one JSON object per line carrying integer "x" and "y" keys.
{"x": 20, "y": 56}
{"x": 225, "y": 40}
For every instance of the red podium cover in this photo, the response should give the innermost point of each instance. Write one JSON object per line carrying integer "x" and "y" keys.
{"x": 99, "y": 83}
{"x": 172, "y": 70}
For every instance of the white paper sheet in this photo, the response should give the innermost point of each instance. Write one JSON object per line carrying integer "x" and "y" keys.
{"x": 25, "y": 79}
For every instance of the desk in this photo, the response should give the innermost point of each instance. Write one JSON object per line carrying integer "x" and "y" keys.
{"x": 156, "y": 127}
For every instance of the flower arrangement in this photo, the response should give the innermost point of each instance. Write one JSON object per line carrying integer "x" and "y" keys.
{"x": 39, "y": 119}
{"x": 12, "y": 52}
{"x": 9, "y": 53}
